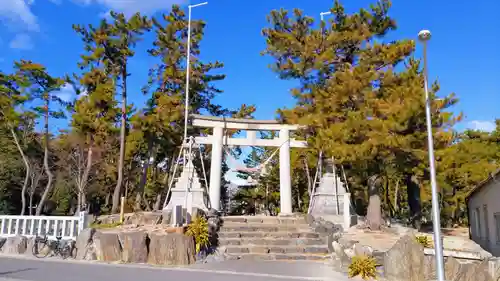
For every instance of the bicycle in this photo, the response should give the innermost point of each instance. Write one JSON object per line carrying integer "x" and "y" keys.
{"x": 42, "y": 247}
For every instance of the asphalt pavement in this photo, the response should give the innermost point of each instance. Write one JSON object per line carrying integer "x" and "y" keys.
{"x": 25, "y": 268}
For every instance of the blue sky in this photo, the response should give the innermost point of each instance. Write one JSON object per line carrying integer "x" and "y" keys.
{"x": 463, "y": 53}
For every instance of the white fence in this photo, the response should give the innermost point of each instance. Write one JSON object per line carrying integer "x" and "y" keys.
{"x": 66, "y": 227}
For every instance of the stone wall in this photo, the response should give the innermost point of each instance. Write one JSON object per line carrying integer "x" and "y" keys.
{"x": 136, "y": 246}
{"x": 407, "y": 261}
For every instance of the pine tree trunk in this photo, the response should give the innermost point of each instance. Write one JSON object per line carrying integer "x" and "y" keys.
{"x": 413, "y": 192}
{"x": 140, "y": 192}
{"x": 31, "y": 203}
{"x": 157, "y": 205}
{"x": 78, "y": 203}
{"x": 50, "y": 176}
{"x": 117, "y": 192}
{"x": 85, "y": 177}
{"x": 374, "y": 212}
{"x": 27, "y": 167}
{"x": 396, "y": 198}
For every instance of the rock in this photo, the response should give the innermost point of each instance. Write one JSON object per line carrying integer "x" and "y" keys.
{"x": 347, "y": 243}
{"x": 341, "y": 260}
{"x": 107, "y": 246}
{"x": 171, "y": 249}
{"x": 494, "y": 268}
{"x": 197, "y": 212}
{"x": 85, "y": 249}
{"x": 15, "y": 245}
{"x": 309, "y": 219}
{"x": 145, "y": 218}
{"x": 405, "y": 260}
{"x": 321, "y": 229}
{"x": 134, "y": 246}
{"x": 430, "y": 268}
{"x": 473, "y": 272}
{"x": 361, "y": 250}
{"x": 452, "y": 268}
{"x": 167, "y": 217}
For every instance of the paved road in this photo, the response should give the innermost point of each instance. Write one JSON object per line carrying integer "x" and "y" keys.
{"x": 29, "y": 269}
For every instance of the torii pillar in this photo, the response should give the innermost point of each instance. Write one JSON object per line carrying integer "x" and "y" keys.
{"x": 218, "y": 140}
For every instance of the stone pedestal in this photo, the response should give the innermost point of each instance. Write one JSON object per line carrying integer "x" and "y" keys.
{"x": 187, "y": 192}
{"x": 331, "y": 201}
{"x": 328, "y": 198}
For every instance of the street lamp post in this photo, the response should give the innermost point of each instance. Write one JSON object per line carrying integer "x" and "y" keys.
{"x": 323, "y": 14}
{"x": 424, "y": 36}
{"x": 186, "y": 113}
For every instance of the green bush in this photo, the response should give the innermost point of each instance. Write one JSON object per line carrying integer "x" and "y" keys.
{"x": 363, "y": 266}
{"x": 198, "y": 228}
{"x": 424, "y": 241}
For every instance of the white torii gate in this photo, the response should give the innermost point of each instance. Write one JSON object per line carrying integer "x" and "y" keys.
{"x": 218, "y": 140}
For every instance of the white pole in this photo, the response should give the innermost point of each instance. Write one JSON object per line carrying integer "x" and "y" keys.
{"x": 285, "y": 178}
{"x": 424, "y": 36}
{"x": 188, "y": 66}
{"x": 215, "y": 168}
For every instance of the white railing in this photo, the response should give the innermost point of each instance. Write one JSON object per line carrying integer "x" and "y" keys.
{"x": 66, "y": 227}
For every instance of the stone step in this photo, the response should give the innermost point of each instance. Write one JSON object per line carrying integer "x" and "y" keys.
{"x": 272, "y": 241}
{"x": 276, "y": 234}
{"x": 246, "y": 227}
{"x": 284, "y": 257}
{"x": 247, "y": 249}
{"x": 265, "y": 220}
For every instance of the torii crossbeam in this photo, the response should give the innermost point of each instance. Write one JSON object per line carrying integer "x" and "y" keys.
{"x": 218, "y": 140}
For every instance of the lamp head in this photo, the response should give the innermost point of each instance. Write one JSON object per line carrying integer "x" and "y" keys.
{"x": 424, "y": 35}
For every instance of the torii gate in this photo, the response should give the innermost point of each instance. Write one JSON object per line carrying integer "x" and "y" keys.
{"x": 218, "y": 140}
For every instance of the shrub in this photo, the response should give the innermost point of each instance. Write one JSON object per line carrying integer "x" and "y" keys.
{"x": 198, "y": 228}
{"x": 364, "y": 266}
{"x": 424, "y": 241}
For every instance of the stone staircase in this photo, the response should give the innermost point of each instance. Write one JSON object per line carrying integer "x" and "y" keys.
{"x": 271, "y": 238}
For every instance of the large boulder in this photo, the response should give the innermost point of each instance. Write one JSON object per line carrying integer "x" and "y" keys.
{"x": 144, "y": 218}
{"x": 466, "y": 271}
{"x": 405, "y": 260}
{"x": 340, "y": 259}
{"x": 134, "y": 246}
{"x": 15, "y": 245}
{"x": 85, "y": 249}
{"x": 430, "y": 268}
{"x": 171, "y": 249}
{"x": 107, "y": 246}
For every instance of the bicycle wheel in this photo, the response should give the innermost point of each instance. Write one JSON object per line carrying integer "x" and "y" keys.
{"x": 65, "y": 252}
{"x": 41, "y": 248}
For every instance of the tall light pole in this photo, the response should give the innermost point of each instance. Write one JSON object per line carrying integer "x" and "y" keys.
{"x": 424, "y": 36}
{"x": 323, "y": 14}
{"x": 186, "y": 113}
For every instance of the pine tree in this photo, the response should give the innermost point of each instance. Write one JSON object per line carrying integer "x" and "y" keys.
{"x": 92, "y": 123}
{"x": 357, "y": 108}
{"x": 42, "y": 88}
{"x": 112, "y": 44}
{"x": 11, "y": 98}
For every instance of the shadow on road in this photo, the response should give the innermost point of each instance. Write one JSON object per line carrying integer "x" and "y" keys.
{"x": 15, "y": 271}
